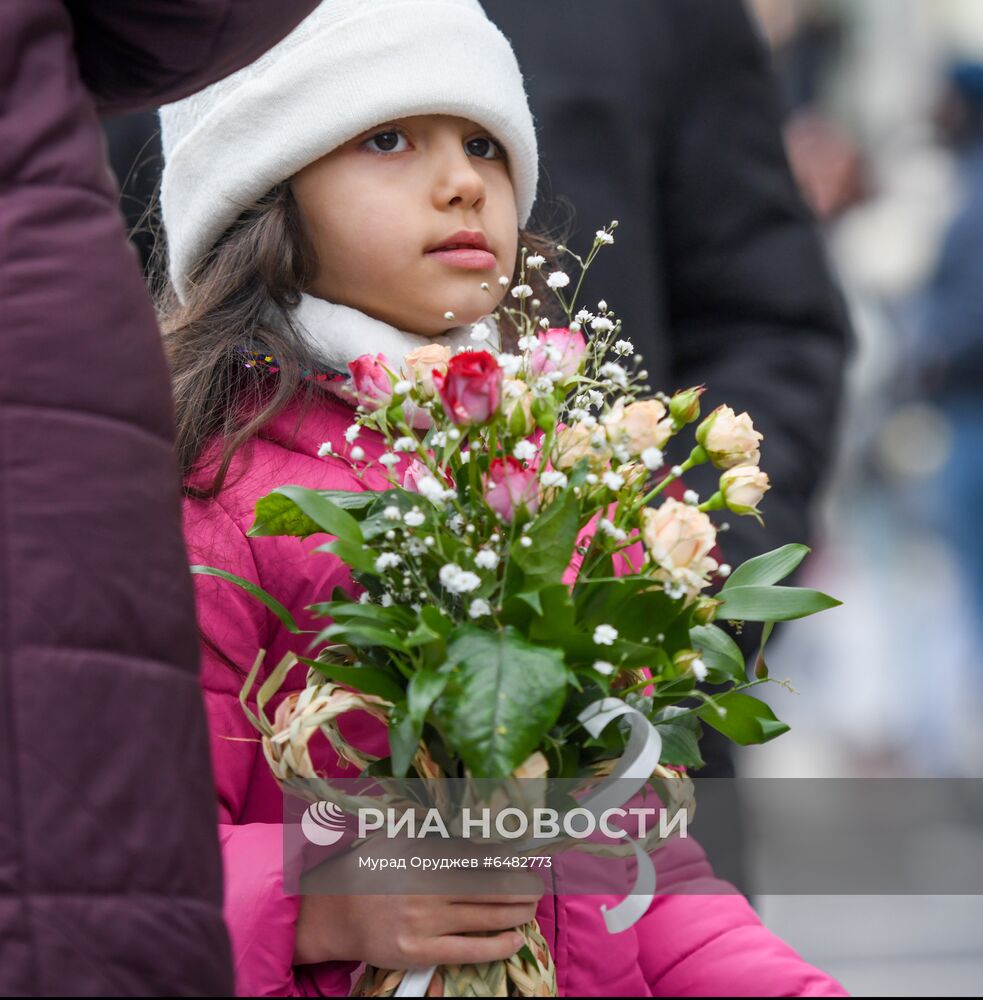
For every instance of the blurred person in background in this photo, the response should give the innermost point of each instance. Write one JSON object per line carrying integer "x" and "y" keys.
{"x": 946, "y": 364}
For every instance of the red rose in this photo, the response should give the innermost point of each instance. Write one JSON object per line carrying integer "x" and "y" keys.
{"x": 471, "y": 387}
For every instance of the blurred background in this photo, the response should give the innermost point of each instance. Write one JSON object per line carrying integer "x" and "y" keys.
{"x": 884, "y": 129}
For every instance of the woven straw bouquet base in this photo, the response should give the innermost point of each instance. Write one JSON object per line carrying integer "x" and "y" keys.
{"x": 518, "y": 977}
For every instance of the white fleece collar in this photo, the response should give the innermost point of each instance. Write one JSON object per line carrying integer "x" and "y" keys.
{"x": 340, "y": 334}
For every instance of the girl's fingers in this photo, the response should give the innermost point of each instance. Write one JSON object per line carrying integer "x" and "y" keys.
{"x": 465, "y": 917}
{"x": 498, "y": 898}
{"x": 461, "y": 950}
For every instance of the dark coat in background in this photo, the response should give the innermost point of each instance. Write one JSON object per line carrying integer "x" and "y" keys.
{"x": 664, "y": 115}
{"x": 110, "y": 878}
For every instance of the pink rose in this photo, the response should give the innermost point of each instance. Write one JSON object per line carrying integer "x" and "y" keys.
{"x": 371, "y": 381}
{"x": 508, "y": 485}
{"x": 471, "y": 387}
{"x": 558, "y": 350}
{"x": 415, "y": 471}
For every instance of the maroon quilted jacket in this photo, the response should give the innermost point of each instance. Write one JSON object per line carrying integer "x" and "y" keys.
{"x": 110, "y": 878}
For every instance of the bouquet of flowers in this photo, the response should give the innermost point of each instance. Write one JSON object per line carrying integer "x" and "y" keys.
{"x": 522, "y": 574}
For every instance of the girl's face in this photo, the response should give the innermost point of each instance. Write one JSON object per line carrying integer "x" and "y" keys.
{"x": 378, "y": 208}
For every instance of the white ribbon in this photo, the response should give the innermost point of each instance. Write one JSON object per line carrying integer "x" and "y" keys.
{"x": 630, "y": 775}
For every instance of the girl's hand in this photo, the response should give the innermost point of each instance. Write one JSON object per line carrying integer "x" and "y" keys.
{"x": 407, "y": 932}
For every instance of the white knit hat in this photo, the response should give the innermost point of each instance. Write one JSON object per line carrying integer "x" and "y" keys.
{"x": 349, "y": 65}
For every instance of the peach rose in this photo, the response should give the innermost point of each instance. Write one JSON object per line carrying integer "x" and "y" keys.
{"x": 742, "y": 487}
{"x": 576, "y": 441}
{"x": 729, "y": 439}
{"x": 640, "y": 425}
{"x": 679, "y": 538}
{"x": 419, "y": 364}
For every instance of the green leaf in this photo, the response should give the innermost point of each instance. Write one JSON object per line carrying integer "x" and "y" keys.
{"x": 747, "y": 721}
{"x": 425, "y": 687}
{"x": 297, "y": 510}
{"x": 261, "y": 595}
{"x": 680, "y": 737}
{"x": 347, "y": 610}
{"x": 553, "y": 536}
{"x": 403, "y": 742}
{"x": 351, "y": 554}
{"x": 764, "y": 604}
{"x": 719, "y": 652}
{"x": 502, "y": 696}
{"x": 368, "y": 680}
{"x": 767, "y": 568}
{"x": 435, "y": 619}
{"x": 356, "y": 634}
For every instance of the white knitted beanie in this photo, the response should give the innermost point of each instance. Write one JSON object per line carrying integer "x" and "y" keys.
{"x": 349, "y": 65}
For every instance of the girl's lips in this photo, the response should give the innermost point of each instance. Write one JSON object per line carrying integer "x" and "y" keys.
{"x": 466, "y": 257}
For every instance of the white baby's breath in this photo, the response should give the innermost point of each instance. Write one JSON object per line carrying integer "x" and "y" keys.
{"x": 486, "y": 559}
{"x": 613, "y": 481}
{"x": 558, "y": 279}
{"x": 524, "y": 451}
{"x": 601, "y": 324}
{"x": 553, "y": 478}
{"x": 604, "y": 635}
{"x": 480, "y": 331}
{"x": 387, "y": 561}
{"x": 351, "y": 432}
{"x": 479, "y": 608}
{"x": 414, "y": 518}
{"x": 402, "y": 387}
{"x": 388, "y": 459}
{"x": 652, "y": 458}
{"x": 404, "y": 444}
{"x": 392, "y": 513}
{"x": 521, "y": 292}
{"x": 458, "y": 580}
{"x": 603, "y": 237}
{"x": 623, "y": 347}
{"x": 535, "y": 260}
{"x": 325, "y": 449}
{"x": 603, "y": 667}
{"x": 357, "y": 453}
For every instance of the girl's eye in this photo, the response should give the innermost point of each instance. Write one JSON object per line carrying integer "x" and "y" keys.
{"x": 387, "y": 142}
{"x": 486, "y": 147}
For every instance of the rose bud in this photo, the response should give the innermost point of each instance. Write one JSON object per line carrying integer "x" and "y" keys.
{"x": 471, "y": 387}
{"x": 742, "y": 488}
{"x": 509, "y": 487}
{"x": 557, "y": 349}
{"x": 685, "y": 404}
{"x": 729, "y": 439}
{"x": 371, "y": 382}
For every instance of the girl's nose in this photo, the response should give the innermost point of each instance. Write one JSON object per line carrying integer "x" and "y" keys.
{"x": 456, "y": 181}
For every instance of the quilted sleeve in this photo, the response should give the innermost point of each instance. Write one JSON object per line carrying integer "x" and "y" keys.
{"x": 261, "y": 917}
{"x": 701, "y": 937}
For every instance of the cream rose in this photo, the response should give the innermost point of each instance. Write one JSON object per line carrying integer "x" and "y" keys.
{"x": 679, "y": 538}
{"x": 729, "y": 439}
{"x": 742, "y": 488}
{"x": 574, "y": 442}
{"x": 419, "y": 364}
{"x": 640, "y": 425}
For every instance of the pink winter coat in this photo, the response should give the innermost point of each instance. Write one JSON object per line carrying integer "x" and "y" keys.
{"x": 702, "y": 944}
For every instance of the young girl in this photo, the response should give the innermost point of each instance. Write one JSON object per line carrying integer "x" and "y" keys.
{"x": 360, "y": 189}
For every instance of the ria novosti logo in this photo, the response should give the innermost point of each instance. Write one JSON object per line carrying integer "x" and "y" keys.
{"x": 323, "y": 823}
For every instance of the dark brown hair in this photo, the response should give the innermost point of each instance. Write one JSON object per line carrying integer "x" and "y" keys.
{"x": 240, "y": 296}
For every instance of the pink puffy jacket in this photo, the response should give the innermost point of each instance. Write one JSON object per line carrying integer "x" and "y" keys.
{"x": 702, "y": 944}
